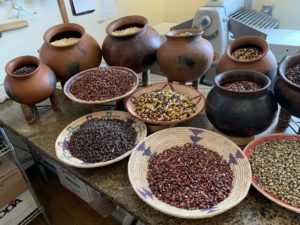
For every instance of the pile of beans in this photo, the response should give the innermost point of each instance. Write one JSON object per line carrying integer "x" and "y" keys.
{"x": 293, "y": 74}
{"x": 99, "y": 140}
{"x": 126, "y": 31}
{"x": 275, "y": 165}
{"x": 247, "y": 53}
{"x": 185, "y": 34}
{"x": 65, "y": 41}
{"x": 190, "y": 177}
{"x": 24, "y": 70}
{"x": 164, "y": 105}
{"x": 102, "y": 84}
{"x": 241, "y": 86}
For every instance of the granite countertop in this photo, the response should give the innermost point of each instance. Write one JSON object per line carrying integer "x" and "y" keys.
{"x": 112, "y": 181}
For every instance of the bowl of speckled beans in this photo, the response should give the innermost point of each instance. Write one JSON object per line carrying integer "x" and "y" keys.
{"x": 101, "y": 85}
{"x": 165, "y": 103}
{"x": 275, "y": 161}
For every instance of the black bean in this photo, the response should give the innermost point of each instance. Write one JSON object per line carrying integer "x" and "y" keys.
{"x": 241, "y": 86}
{"x": 99, "y": 140}
{"x": 102, "y": 84}
{"x": 24, "y": 70}
{"x": 190, "y": 177}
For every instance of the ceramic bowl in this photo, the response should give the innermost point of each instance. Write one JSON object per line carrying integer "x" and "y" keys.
{"x": 62, "y": 141}
{"x": 156, "y": 143}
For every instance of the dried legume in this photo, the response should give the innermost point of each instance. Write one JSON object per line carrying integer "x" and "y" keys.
{"x": 184, "y": 34}
{"x": 241, "y": 86}
{"x": 190, "y": 177}
{"x": 102, "y": 84}
{"x": 99, "y": 140}
{"x": 275, "y": 166}
{"x": 293, "y": 74}
{"x": 126, "y": 31}
{"x": 65, "y": 41}
{"x": 164, "y": 105}
{"x": 247, "y": 53}
{"x": 24, "y": 70}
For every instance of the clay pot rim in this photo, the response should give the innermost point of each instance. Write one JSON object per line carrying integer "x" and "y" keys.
{"x": 127, "y": 20}
{"x": 242, "y": 73}
{"x": 17, "y": 62}
{"x": 285, "y": 65}
{"x": 195, "y": 32}
{"x": 64, "y": 27}
{"x": 248, "y": 40}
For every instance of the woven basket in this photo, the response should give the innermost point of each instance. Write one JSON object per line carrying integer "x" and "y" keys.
{"x": 61, "y": 144}
{"x": 196, "y": 96}
{"x": 249, "y": 149}
{"x": 165, "y": 139}
{"x": 86, "y": 72}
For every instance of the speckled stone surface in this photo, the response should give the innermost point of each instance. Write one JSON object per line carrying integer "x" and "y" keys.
{"x": 112, "y": 181}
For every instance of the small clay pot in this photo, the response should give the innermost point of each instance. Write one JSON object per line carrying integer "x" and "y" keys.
{"x": 241, "y": 114}
{"x": 287, "y": 92}
{"x": 136, "y": 51}
{"x": 185, "y": 58}
{"x": 31, "y": 88}
{"x": 69, "y": 60}
{"x": 265, "y": 64}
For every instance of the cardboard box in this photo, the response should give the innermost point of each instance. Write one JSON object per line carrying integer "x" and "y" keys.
{"x": 12, "y": 182}
{"x": 17, "y": 209}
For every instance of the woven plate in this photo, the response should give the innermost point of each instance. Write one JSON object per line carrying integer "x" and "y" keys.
{"x": 249, "y": 149}
{"x": 196, "y": 96}
{"x": 61, "y": 144}
{"x": 69, "y": 83}
{"x": 144, "y": 152}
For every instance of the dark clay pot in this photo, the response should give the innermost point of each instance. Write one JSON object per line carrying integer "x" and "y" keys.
{"x": 31, "y": 88}
{"x": 265, "y": 64}
{"x": 136, "y": 51}
{"x": 241, "y": 114}
{"x": 185, "y": 58}
{"x": 69, "y": 60}
{"x": 287, "y": 92}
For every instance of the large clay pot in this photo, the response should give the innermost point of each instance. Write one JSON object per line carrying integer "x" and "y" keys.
{"x": 287, "y": 92}
{"x": 31, "y": 88}
{"x": 67, "y": 61}
{"x": 136, "y": 51}
{"x": 241, "y": 114}
{"x": 265, "y": 64}
{"x": 185, "y": 58}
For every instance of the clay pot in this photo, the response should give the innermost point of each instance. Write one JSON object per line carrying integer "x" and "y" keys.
{"x": 265, "y": 64}
{"x": 68, "y": 60}
{"x": 136, "y": 51}
{"x": 287, "y": 92}
{"x": 31, "y": 88}
{"x": 241, "y": 114}
{"x": 185, "y": 58}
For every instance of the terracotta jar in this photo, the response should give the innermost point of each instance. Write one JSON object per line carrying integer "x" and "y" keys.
{"x": 241, "y": 114}
{"x": 185, "y": 56}
{"x": 137, "y": 50}
{"x": 68, "y": 60}
{"x": 265, "y": 64}
{"x": 287, "y": 92}
{"x": 31, "y": 88}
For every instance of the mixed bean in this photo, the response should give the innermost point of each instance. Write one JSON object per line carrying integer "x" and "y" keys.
{"x": 247, "y": 53}
{"x": 102, "y": 84}
{"x": 65, "y": 41}
{"x": 293, "y": 74}
{"x": 241, "y": 86}
{"x": 21, "y": 71}
{"x": 164, "y": 105}
{"x": 275, "y": 166}
{"x": 190, "y": 177}
{"x": 126, "y": 31}
{"x": 101, "y": 140}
